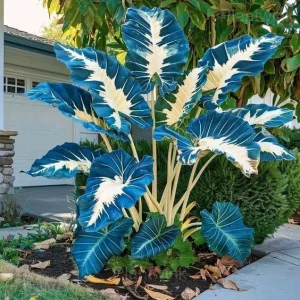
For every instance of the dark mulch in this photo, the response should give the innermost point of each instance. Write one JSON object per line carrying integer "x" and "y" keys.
{"x": 61, "y": 263}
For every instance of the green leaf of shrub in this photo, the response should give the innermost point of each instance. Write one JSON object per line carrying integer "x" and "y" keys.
{"x": 198, "y": 18}
{"x": 295, "y": 42}
{"x": 293, "y": 63}
{"x": 269, "y": 67}
{"x": 182, "y": 14}
{"x": 264, "y": 16}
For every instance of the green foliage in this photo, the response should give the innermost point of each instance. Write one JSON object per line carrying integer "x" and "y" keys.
{"x": 261, "y": 198}
{"x": 206, "y": 23}
{"x": 119, "y": 264}
{"x": 180, "y": 255}
{"x": 288, "y": 137}
{"x": 292, "y": 170}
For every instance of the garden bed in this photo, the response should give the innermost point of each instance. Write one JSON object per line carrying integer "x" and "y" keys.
{"x": 62, "y": 263}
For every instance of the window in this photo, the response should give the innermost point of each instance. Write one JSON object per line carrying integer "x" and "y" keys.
{"x": 34, "y": 84}
{"x": 14, "y": 85}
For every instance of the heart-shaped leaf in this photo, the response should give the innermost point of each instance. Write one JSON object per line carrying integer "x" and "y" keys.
{"x": 225, "y": 232}
{"x": 92, "y": 250}
{"x": 153, "y": 237}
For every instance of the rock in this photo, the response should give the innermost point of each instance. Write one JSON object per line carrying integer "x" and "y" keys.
{"x": 2, "y": 146}
{"x": 4, "y": 133}
{"x": 6, "y": 161}
{"x": 9, "y": 147}
{"x": 7, "y": 171}
{"x": 7, "y": 153}
{"x": 9, "y": 178}
{"x": 1, "y": 178}
{"x": 4, "y": 188}
{"x": 7, "y": 141}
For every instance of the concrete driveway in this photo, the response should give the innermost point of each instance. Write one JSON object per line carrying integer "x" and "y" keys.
{"x": 51, "y": 202}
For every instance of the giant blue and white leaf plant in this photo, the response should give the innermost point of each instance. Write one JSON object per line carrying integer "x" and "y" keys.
{"x": 184, "y": 109}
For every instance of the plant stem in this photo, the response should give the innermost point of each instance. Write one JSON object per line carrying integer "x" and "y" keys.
{"x": 106, "y": 141}
{"x": 213, "y": 31}
{"x": 154, "y": 148}
{"x": 188, "y": 191}
{"x": 198, "y": 112}
{"x": 182, "y": 199}
{"x": 133, "y": 149}
{"x": 193, "y": 224}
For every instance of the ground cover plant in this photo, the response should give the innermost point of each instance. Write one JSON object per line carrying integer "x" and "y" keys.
{"x": 121, "y": 210}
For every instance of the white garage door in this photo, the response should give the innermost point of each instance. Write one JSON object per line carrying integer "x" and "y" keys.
{"x": 40, "y": 128}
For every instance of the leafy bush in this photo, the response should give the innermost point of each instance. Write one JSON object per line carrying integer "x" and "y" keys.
{"x": 288, "y": 137}
{"x": 261, "y": 198}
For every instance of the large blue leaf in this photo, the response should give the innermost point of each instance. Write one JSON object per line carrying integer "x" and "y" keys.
{"x": 74, "y": 103}
{"x": 156, "y": 46}
{"x": 270, "y": 148}
{"x": 116, "y": 181}
{"x": 264, "y": 115}
{"x": 230, "y": 61}
{"x": 64, "y": 161}
{"x": 153, "y": 238}
{"x": 92, "y": 250}
{"x": 117, "y": 96}
{"x": 221, "y": 133}
{"x": 225, "y": 232}
{"x": 176, "y": 106}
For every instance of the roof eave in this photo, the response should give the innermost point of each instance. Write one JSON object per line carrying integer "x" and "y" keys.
{"x": 28, "y": 45}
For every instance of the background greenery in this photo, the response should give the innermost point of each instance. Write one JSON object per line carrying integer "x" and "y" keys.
{"x": 266, "y": 200}
{"x": 206, "y": 23}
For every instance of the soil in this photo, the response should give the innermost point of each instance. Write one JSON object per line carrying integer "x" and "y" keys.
{"x": 62, "y": 263}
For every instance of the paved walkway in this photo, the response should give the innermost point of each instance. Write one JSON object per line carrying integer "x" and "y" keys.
{"x": 273, "y": 277}
{"x": 51, "y": 202}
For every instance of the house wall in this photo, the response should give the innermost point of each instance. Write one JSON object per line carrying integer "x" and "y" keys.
{"x": 38, "y": 67}
{"x": 41, "y": 127}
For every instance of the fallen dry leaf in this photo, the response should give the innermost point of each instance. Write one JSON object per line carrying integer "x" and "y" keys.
{"x": 139, "y": 281}
{"x": 196, "y": 276}
{"x": 188, "y": 294}
{"x": 222, "y": 268}
{"x": 158, "y": 287}
{"x": 111, "y": 280}
{"x": 127, "y": 282}
{"x": 74, "y": 272}
{"x": 157, "y": 295}
{"x": 41, "y": 265}
{"x": 203, "y": 274}
{"x": 68, "y": 249}
{"x": 229, "y": 284}
{"x": 211, "y": 287}
{"x": 65, "y": 236}
{"x": 292, "y": 221}
{"x": 228, "y": 261}
{"x": 216, "y": 272}
{"x": 64, "y": 277}
{"x": 211, "y": 277}
{"x": 6, "y": 277}
{"x": 44, "y": 244}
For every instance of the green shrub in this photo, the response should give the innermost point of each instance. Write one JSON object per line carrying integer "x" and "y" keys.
{"x": 261, "y": 198}
{"x": 290, "y": 138}
{"x": 292, "y": 170}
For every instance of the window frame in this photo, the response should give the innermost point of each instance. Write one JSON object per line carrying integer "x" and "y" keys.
{"x": 16, "y": 86}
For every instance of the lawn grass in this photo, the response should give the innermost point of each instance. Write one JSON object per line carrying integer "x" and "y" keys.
{"x": 26, "y": 285}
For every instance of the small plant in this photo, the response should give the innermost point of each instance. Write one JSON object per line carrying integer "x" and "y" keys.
{"x": 11, "y": 211}
{"x": 188, "y": 110}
